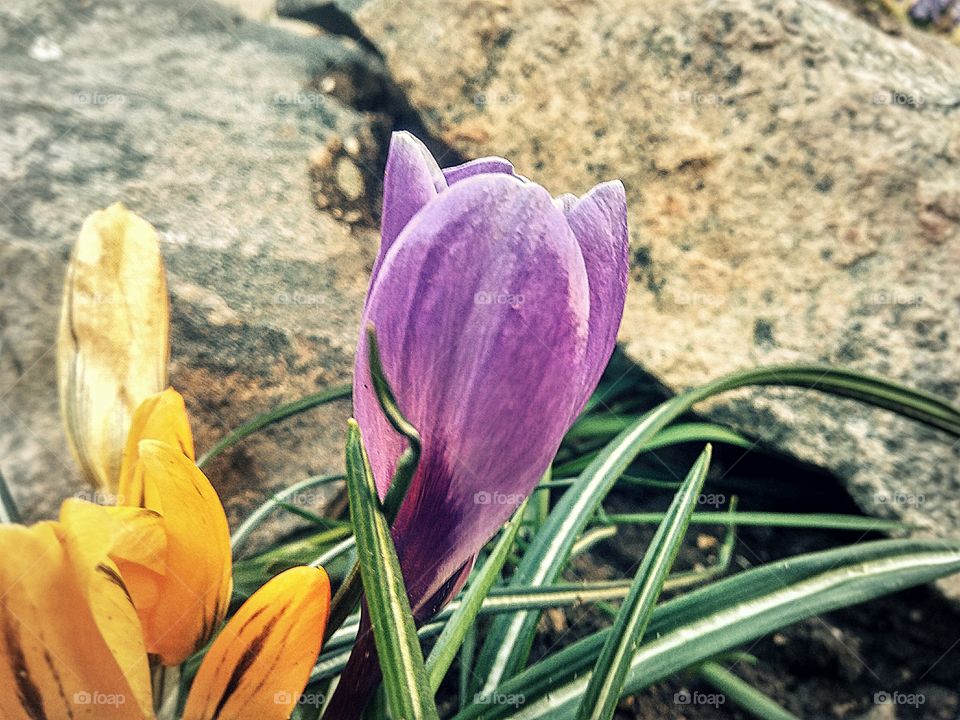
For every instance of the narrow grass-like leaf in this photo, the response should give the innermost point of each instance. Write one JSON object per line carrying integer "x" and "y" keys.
{"x": 407, "y": 463}
{"x": 674, "y": 435}
{"x": 600, "y": 699}
{"x": 250, "y": 573}
{"x": 743, "y": 693}
{"x": 243, "y": 531}
{"x": 398, "y": 647}
{"x": 445, "y": 649}
{"x": 500, "y": 600}
{"x": 8, "y": 508}
{"x": 702, "y": 624}
{"x": 820, "y": 521}
{"x": 509, "y": 641}
{"x": 282, "y": 412}
{"x": 348, "y": 594}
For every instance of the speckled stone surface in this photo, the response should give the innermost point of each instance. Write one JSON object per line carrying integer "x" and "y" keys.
{"x": 202, "y": 123}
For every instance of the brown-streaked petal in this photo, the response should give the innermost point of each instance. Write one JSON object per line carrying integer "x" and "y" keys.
{"x": 162, "y": 416}
{"x": 258, "y": 666}
{"x": 70, "y": 641}
{"x": 113, "y": 346}
{"x": 196, "y": 579}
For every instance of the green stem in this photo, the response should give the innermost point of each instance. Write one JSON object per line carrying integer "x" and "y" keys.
{"x": 742, "y": 693}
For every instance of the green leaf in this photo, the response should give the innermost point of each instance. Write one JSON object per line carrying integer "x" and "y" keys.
{"x": 242, "y": 533}
{"x": 509, "y": 641}
{"x": 702, "y": 624}
{"x": 407, "y": 464}
{"x": 824, "y": 521}
{"x": 447, "y": 645}
{"x": 348, "y": 594}
{"x": 743, "y": 694}
{"x": 600, "y": 700}
{"x": 282, "y": 412}
{"x": 404, "y": 676}
{"x": 250, "y": 573}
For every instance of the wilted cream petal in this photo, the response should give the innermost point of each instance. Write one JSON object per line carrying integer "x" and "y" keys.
{"x": 113, "y": 342}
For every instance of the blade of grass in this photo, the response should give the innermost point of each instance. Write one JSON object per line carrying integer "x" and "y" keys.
{"x": 279, "y": 413}
{"x": 704, "y": 623}
{"x": 348, "y": 594}
{"x": 600, "y": 699}
{"x": 404, "y": 676}
{"x": 822, "y": 521}
{"x": 743, "y": 693}
{"x": 253, "y": 521}
{"x": 505, "y": 651}
{"x": 674, "y": 435}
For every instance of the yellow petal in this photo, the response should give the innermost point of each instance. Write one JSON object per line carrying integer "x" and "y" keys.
{"x": 196, "y": 577}
{"x": 113, "y": 347}
{"x": 258, "y": 666}
{"x": 163, "y": 417}
{"x": 136, "y": 542}
{"x": 70, "y": 642}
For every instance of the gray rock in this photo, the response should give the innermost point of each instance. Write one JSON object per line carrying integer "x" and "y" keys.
{"x": 202, "y": 123}
{"x": 794, "y": 188}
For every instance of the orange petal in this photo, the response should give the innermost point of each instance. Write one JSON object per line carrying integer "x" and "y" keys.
{"x": 258, "y": 666}
{"x": 70, "y": 641}
{"x": 196, "y": 576}
{"x": 163, "y": 417}
{"x": 112, "y": 347}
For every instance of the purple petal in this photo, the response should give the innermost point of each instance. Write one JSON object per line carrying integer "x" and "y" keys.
{"x": 481, "y": 308}
{"x": 412, "y": 179}
{"x": 480, "y": 166}
{"x": 599, "y": 222}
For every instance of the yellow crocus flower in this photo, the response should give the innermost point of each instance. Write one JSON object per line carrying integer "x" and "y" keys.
{"x": 131, "y": 436}
{"x": 71, "y": 644}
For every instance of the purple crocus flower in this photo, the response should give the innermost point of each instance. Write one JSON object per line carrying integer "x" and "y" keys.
{"x": 496, "y": 309}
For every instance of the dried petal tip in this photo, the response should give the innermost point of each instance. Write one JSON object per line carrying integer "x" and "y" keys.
{"x": 112, "y": 347}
